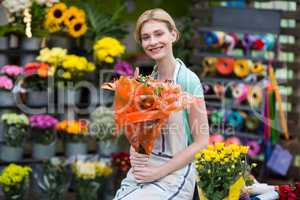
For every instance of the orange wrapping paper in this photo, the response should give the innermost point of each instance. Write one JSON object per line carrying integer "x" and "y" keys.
{"x": 142, "y": 107}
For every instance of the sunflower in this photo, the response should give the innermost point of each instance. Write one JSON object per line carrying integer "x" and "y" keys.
{"x": 73, "y": 13}
{"x": 52, "y": 26}
{"x": 77, "y": 28}
{"x": 56, "y": 12}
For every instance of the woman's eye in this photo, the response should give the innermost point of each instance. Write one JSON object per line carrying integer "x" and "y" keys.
{"x": 159, "y": 34}
{"x": 145, "y": 38}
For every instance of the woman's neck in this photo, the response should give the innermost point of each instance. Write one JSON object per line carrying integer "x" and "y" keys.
{"x": 166, "y": 67}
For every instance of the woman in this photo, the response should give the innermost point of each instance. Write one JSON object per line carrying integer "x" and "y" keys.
{"x": 168, "y": 173}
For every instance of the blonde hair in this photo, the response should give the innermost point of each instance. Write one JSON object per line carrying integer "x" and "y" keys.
{"x": 155, "y": 14}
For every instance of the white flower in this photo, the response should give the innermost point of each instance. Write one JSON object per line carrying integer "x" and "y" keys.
{"x": 14, "y": 6}
{"x": 46, "y": 2}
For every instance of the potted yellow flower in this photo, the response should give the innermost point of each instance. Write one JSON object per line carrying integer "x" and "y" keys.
{"x": 89, "y": 177}
{"x": 222, "y": 171}
{"x": 14, "y": 180}
{"x": 74, "y": 132}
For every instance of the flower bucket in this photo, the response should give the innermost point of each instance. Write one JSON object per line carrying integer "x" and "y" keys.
{"x": 41, "y": 151}
{"x": 37, "y": 98}
{"x": 106, "y": 148}
{"x": 69, "y": 96}
{"x": 11, "y": 154}
{"x": 234, "y": 190}
{"x": 74, "y": 149}
{"x": 6, "y": 99}
{"x": 31, "y": 43}
{"x": 3, "y": 43}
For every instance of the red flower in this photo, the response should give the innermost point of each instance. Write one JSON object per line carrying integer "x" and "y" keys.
{"x": 284, "y": 191}
{"x": 36, "y": 68}
{"x": 297, "y": 189}
{"x": 291, "y": 196}
{"x": 121, "y": 161}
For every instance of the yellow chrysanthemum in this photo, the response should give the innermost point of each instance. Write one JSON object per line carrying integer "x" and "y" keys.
{"x": 77, "y": 28}
{"x": 56, "y": 12}
{"x": 107, "y": 48}
{"x": 73, "y": 13}
{"x": 67, "y": 75}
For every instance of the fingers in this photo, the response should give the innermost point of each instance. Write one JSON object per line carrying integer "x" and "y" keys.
{"x": 136, "y": 72}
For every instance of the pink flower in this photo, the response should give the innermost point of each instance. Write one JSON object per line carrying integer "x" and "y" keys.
{"x": 6, "y": 83}
{"x": 12, "y": 70}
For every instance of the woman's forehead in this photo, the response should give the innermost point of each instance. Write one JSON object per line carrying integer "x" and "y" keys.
{"x": 152, "y": 26}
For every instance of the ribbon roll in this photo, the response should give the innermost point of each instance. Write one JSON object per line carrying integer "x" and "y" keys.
{"x": 254, "y": 148}
{"x": 258, "y": 44}
{"x": 269, "y": 41}
{"x": 219, "y": 90}
{"x": 208, "y": 89}
{"x": 257, "y": 68}
{"x": 252, "y": 122}
{"x": 247, "y": 42}
{"x": 215, "y": 138}
{"x": 242, "y": 67}
{"x": 225, "y": 66}
{"x": 217, "y": 117}
{"x": 235, "y": 119}
{"x": 255, "y": 96}
{"x": 209, "y": 66}
{"x": 232, "y": 140}
{"x": 240, "y": 92}
{"x": 215, "y": 38}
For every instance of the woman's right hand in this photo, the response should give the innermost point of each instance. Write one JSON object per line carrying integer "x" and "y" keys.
{"x": 137, "y": 159}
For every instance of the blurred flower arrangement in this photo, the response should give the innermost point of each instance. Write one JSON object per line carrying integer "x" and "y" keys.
{"x": 60, "y": 17}
{"x": 289, "y": 192}
{"x": 12, "y": 71}
{"x": 73, "y": 130}
{"x": 42, "y": 128}
{"x": 25, "y": 17}
{"x": 65, "y": 67}
{"x": 107, "y": 49}
{"x": 121, "y": 161}
{"x": 14, "y": 180}
{"x": 222, "y": 171}
{"x": 16, "y": 128}
{"x": 6, "y": 83}
{"x": 36, "y": 76}
{"x": 54, "y": 179}
{"x": 89, "y": 176}
{"x": 102, "y": 125}
{"x": 123, "y": 68}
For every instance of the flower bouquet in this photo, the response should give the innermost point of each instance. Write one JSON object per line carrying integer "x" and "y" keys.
{"x": 14, "y": 180}
{"x": 15, "y": 129}
{"x": 53, "y": 180}
{"x": 142, "y": 107}
{"x": 222, "y": 171}
{"x": 43, "y": 135}
{"x": 121, "y": 164}
{"x": 74, "y": 132}
{"x": 89, "y": 177}
{"x": 102, "y": 127}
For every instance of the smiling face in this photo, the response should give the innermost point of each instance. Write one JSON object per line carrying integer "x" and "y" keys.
{"x": 157, "y": 39}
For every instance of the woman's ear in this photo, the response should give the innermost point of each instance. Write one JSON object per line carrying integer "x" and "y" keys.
{"x": 174, "y": 35}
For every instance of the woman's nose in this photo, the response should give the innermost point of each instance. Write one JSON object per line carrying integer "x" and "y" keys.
{"x": 152, "y": 41}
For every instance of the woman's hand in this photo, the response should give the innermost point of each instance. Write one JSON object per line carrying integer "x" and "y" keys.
{"x": 137, "y": 159}
{"x": 147, "y": 174}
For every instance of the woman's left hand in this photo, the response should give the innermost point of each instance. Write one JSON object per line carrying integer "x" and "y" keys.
{"x": 147, "y": 174}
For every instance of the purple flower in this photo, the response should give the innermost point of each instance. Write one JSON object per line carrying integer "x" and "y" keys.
{"x": 123, "y": 68}
{"x": 43, "y": 121}
{"x": 6, "y": 83}
{"x": 11, "y": 70}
